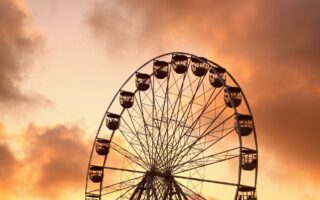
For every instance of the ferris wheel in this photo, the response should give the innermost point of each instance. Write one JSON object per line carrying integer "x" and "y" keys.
{"x": 178, "y": 128}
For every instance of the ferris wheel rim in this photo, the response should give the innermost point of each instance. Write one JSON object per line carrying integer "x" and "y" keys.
{"x": 224, "y": 86}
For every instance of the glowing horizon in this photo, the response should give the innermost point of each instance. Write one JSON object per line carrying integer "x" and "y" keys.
{"x": 62, "y": 63}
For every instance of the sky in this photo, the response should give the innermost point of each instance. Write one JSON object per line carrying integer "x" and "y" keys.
{"x": 61, "y": 62}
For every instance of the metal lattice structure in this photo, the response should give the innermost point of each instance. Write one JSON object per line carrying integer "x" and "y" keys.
{"x": 179, "y": 127}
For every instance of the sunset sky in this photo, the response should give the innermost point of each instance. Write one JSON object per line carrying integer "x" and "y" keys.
{"x": 61, "y": 62}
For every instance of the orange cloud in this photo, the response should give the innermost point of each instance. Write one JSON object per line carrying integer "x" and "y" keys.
{"x": 55, "y": 162}
{"x": 8, "y": 167}
{"x": 60, "y": 154}
{"x": 19, "y": 43}
{"x": 275, "y": 41}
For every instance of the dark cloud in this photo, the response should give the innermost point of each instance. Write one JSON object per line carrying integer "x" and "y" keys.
{"x": 19, "y": 43}
{"x": 277, "y": 42}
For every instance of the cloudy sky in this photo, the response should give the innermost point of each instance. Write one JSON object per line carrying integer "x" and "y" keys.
{"x": 61, "y": 60}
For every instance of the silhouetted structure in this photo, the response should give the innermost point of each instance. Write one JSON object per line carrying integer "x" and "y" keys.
{"x": 175, "y": 112}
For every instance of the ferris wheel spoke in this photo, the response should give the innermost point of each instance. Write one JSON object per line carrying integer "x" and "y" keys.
{"x": 190, "y": 84}
{"x": 123, "y": 169}
{"x": 186, "y": 111}
{"x": 205, "y": 107}
{"x": 214, "y": 137}
{"x": 146, "y": 128}
{"x": 192, "y": 101}
{"x": 178, "y": 97}
{"x": 180, "y": 106}
{"x": 141, "y": 140}
{"x": 189, "y": 105}
{"x": 230, "y": 157}
{"x": 180, "y": 137}
{"x": 213, "y": 142}
{"x": 177, "y": 102}
{"x": 154, "y": 102}
{"x": 130, "y": 156}
{"x": 216, "y": 156}
{"x": 143, "y": 100}
{"x": 118, "y": 186}
{"x": 144, "y": 160}
{"x": 117, "y": 190}
{"x": 166, "y": 102}
{"x": 203, "y": 135}
{"x": 183, "y": 147}
{"x": 135, "y": 133}
{"x": 204, "y": 113}
{"x": 155, "y": 124}
{"x": 115, "y": 184}
{"x": 137, "y": 121}
{"x": 207, "y": 162}
{"x": 213, "y": 134}
{"x": 203, "y": 94}
{"x": 151, "y": 115}
{"x": 207, "y": 180}
{"x": 142, "y": 108}
{"x": 214, "y": 109}
{"x": 147, "y": 131}
{"x": 177, "y": 114}
{"x": 192, "y": 194}
{"x": 210, "y": 123}
{"x": 176, "y": 81}
{"x": 171, "y": 105}
{"x": 207, "y": 132}
{"x": 155, "y": 114}
{"x": 163, "y": 128}
{"x": 191, "y": 128}
{"x": 125, "y": 193}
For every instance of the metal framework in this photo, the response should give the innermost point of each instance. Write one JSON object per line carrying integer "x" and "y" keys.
{"x": 182, "y": 129}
